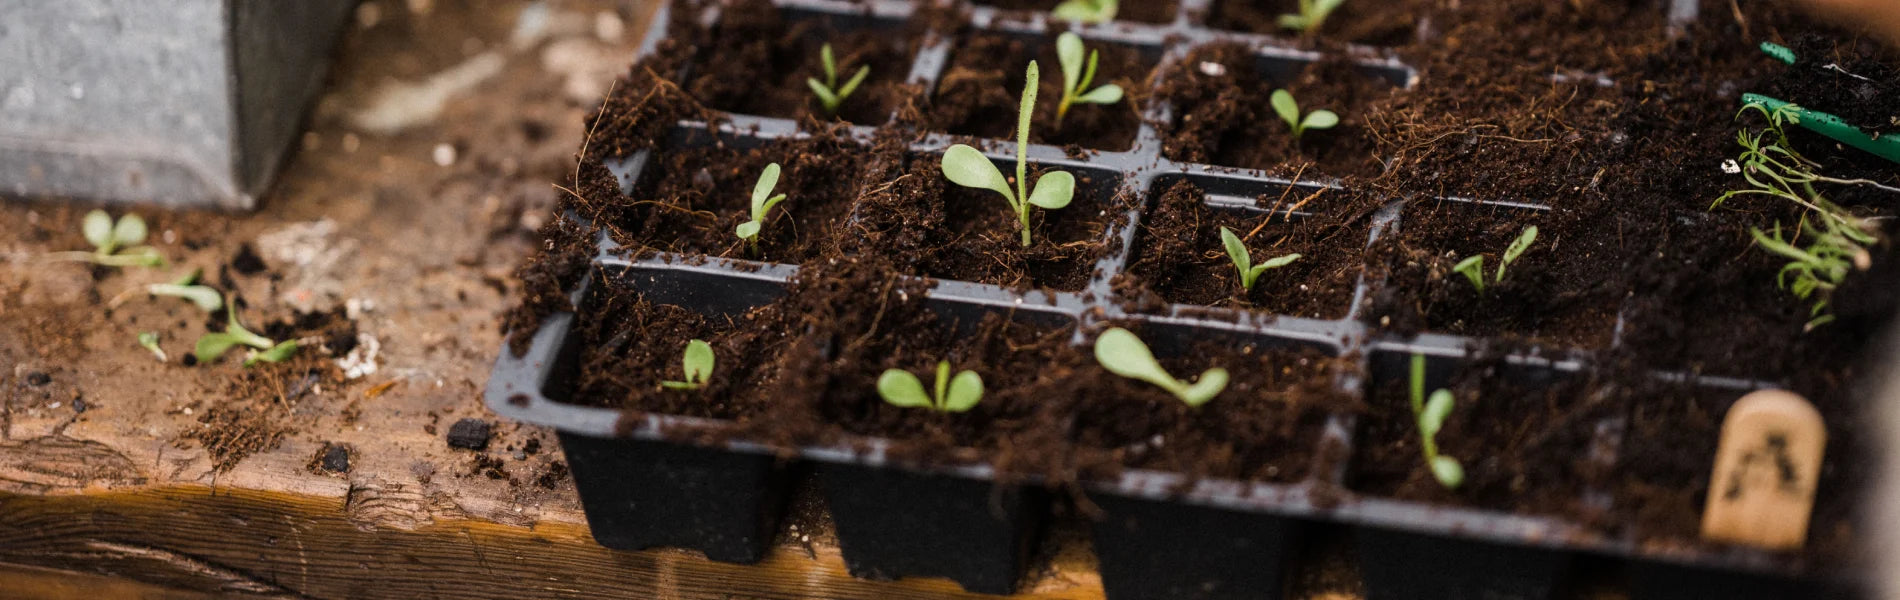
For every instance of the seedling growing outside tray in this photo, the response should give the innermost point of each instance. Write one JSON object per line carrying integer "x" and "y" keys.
{"x": 1076, "y": 77}
{"x": 1430, "y": 416}
{"x": 958, "y": 394}
{"x": 828, "y": 92}
{"x": 1289, "y": 111}
{"x": 213, "y": 345}
{"x": 149, "y": 341}
{"x": 1122, "y": 353}
{"x": 1087, "y": 11}
{"x": 761, "y": 206}
{"x": 1473, "y": 267}
{"x": 114, "y": 244}
{"x": 206, "y": 298}
{"x": 1243, "y": 262}
{"x": 696, "y": 365}
{"x": 967, "y": 167}
{"x": 1312, "y": 15}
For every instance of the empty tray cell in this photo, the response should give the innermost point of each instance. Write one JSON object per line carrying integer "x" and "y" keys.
{"x": 1145, "y": 11}
{"x": 756, "y": 58}
{"x": 1179, "y": 255}
{"x": 1220, "y": 96}
{"x": 980, "y": 93}
{"x": 1369, "y": 23}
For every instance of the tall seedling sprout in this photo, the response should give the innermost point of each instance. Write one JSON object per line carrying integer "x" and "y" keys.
{"x": 828, "y": 92}
{"x": 761, "y": 206}
{"x": 1430, "y": 416}
{"x": 1076, "y": 77}
{"x": 967, "y": 167}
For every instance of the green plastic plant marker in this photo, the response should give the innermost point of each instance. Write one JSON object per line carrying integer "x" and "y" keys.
{"x": 1823, "y": 123}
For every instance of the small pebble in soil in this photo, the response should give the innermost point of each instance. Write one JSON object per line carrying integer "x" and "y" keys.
{"x": 444, "y": 155}
{"x": 38, "y": 378}
{"x": 336, "y": 458}
{"x": 469, "y": 433}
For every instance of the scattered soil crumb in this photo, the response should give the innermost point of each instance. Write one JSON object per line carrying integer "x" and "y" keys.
{"x": 331, "y": 459}
{"x": 470, "y": 433}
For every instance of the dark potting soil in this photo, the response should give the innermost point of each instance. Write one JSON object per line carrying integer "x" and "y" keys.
{"x": 1856, "y": 81}
{"x": 1179, "y": 257}
{"x": 1222, "y": 115}
{"x": 1373, "y": 24}
{"x": 981, "y": 93}
{"x": 1150, "y": 11}
{"x": 758, "y": 58}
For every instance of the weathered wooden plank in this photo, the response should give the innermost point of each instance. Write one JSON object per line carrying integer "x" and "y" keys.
{"x": 22, "y": 582}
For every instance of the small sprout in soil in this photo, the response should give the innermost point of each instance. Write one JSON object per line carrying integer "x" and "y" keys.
{"x": 1243, "y": 261}
{"x": 967, "y": 167}
{"x": 149, "y": 341}
{"x": 828, "y": 92}
{"x": 1076, "y": 78}
{"x": 958, "y": 394}
{"x": 1312, "y": 15}
{"x": 1431, "y": 416}
{"x": 1087, "y": 11}
{"x": 697, "y": 364}
{"x": 114, "y": 244}
{"x": 1289, "y": 111}
{"x": 761, "y": 205}
{"x": 213, "y": 345}
{"x": 1473, "y": 267}
{"x": 207, "y": 299}
{"x": 1119, "y": 351}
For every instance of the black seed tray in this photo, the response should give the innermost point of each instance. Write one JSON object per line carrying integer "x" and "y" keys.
{"x": 1159, "y": 535}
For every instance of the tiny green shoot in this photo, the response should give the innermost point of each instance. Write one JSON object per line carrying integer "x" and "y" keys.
{"x": 149, "y": 341}
{"x": 1122, "y": 353}
{"x": 206, "y": 298}
{"x": 959, "y": 394}
{"x": 115, "y": 244}
{"x": 761, "y": 205}
{"x": 967, "y": 167}
{"x": 1087, "y": 11}
{"x": 1472, "y": 267}
{"x": 1430, "y": 415}
{"x": 696, "y": 365}
{"x": 1076, "y": 77}
{"x": 828, "y": 92}
{"x": 1243, "y": 262}
{"x": 1312, "y": 15}
{"x": 1289, "y": 111}
{"x": 213, "y": 345}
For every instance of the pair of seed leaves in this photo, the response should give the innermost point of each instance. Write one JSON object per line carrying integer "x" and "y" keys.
{"x": 952, "y": 394}
{"x": 108, "y": 238}
{"x": 1249, "y": 272}
{"x": 696, "y": 365}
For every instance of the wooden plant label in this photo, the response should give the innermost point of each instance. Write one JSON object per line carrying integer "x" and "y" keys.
{"x": 1766, "y": 467}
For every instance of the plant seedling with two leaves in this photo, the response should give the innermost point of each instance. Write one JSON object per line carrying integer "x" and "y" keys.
{"x": 1430, "y": 415}
{"x": 1289, "y": 111}
{"x": 1122, "y": 353}
{"x": 762, "y": 203}
{"x": 1087, "y": 11}
{"x": 828, "y": 92}
{"x": 696, "y": 366}
{"x": 1076, "y": 77}
{"x": 967, "y": 167}
{"x": 1312, "y": 15}
{"x": 1243, "y": 262}
{"x": 959, "y": 394}
{"x": 1473, "y": 267}
{"x": 114, "y": 244}
{"x": 213, "y": 345}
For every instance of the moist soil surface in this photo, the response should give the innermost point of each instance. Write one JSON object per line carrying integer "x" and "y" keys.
{"x": 756, "y": 61}
{"x": 1157, "y": 11}
{"x": 981, "y": 93}
{"x": 1372, "y": 24}
{"x": 1222, "y": 115}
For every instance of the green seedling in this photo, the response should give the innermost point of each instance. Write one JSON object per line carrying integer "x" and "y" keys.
{"x": 958, "y": 394}
{"x": 967, "y": 167}
{"x": 1119, "y": 351}
{"x": 149, "y": 341}
{"x": 828, "y": 92}
{"x": 214, "y": 345}
{"x": 1817, "y": 269}
{"x": 114, "y": 244}
{"x": 1312, "y": 15}
{"x": 1473, "y": 266}
{"x": 1243, "y": 262}
{"x": 1087, "y": 11}
{"x": 761, "y": 206}
{"x": 1431, "y": 415}
{"x": 1076, "y": 77}
{"x": 1289, "y": 111}
{"x": 696, "y": 364}
{"x": 206, "y": 298}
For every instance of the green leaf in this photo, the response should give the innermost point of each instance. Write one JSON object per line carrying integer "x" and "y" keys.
{"x": 149, "y": 341}
{"x": 1069, "y": 52}
{"x": 1122, "y": 353}
{"x": 276, "y": 354}
{"x": 763, "y": 189}
{"x": 966, "y": 389}
{"x": 902, "y": 389}
{"x": 207, "y": 299}
{"x": 1447, "y": 471}
{"x": 1237, "y": 251}
{"x": 1108, "y": 94}
{"x": 852, "y": 85}
{"x": 1287, "y": 108}
{"x": 189, "y": 278}
{"x": 1278, "y": 261}
{"x": 966, "y": 167}
{"x": 1436, "y": 410}
{"x": 1086, "y": 11}
{"x": 1517, "y": 248}
{"x": 1418, "y": 383}
{"x": 825, "y": 97}
{"x": 213, "y": 345}
{"x": 1210, "y": 384}
{"x": 1293, "y": 22}
{"x": 1320, "y": 119}
{"x": 130, "y": 231}
{"x": 697, "y": 363}
{"x": 1473, "y": 269}
{"x": 747, "y": 230}
{"x": 1053, "y": 190}
{"x": 830, "y": 63}
{"x": 98, "y": 229}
